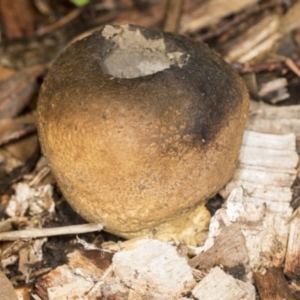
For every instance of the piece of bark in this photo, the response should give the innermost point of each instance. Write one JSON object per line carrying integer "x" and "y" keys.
{"x": 7, "y": 289}
{"x": 219, "y": 285}
{"x": 153, "y": 267}
{"x": 292, "y": 259}
{"x": 272, "y": 285}
{"x": 231, "y": 240}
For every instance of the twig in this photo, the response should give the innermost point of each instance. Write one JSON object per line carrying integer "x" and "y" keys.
{"x": 61, "y": 22}
{"x": 40, "y": 176}
{"x": 45, "y": 232}
{"x": 172, "y": 16}
{"x": 34, "y": 274}
{"x": 262, "y": 67}
{"x": 292, "y": 66}
{"x": 27, "y": 129}
{"x": 298, "y": 144}
{"x": 239, "y": 18}
{"x": 97, "y": 285}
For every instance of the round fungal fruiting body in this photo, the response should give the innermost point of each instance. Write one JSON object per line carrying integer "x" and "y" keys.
{"x": 140, "y": 128}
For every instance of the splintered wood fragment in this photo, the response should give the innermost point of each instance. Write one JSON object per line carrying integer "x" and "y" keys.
{"x": 29, "y": 256}
{"x": 276, "y": 120}
{"x": 153, "y": 268}
{"x": 257, "y": 40}
{"x": 262, "y": 37}
{"x": 44, "y": 232}
{"x": 274, "y": 91}
{"x": 259, "y": 198}
{"x": 219, "y": 285}
{"x": 90, "y": 263}
{"x": 292, "y": 259}
{"x": 231, "y": 240}
{"x": 272, "y": 285}
{"x": 62, "y": 283}
{"x": 211, "y": 12}
{"x": 238, "y": 18}
{"x": 268, "y": 152}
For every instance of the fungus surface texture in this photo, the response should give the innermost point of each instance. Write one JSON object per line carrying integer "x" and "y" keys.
{"x": 140, "y": 128}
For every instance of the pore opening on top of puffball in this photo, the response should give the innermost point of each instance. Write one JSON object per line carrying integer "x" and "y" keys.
{"x": 133, "y": 55}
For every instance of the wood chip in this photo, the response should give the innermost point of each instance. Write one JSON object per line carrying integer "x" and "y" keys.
{"x": 62, "y": 283}
{"x": 276, "y": 120}
{"x": 29, "y": 256}
{"x": 259, "y": 198}
{"x": 231, "y": 240}
{"x": 153, "y": 267}
{"x": 90, "y": 264}
{"x": 219, "y": 285}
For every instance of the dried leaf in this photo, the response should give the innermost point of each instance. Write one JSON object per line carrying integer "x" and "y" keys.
{"x": 17, "y": 91}
{"x": 18, "y": 18}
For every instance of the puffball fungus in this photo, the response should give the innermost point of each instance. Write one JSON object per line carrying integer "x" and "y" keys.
{"x": 141, "y": 128}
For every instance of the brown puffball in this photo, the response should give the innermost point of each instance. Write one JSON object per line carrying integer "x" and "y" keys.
{"x": 140, "y": 128}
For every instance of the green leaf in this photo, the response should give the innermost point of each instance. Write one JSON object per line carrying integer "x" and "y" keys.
{"x": 80, "y": 2}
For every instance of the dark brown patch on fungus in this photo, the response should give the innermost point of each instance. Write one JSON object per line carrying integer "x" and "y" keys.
{"x": 140, "y": 128}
